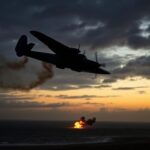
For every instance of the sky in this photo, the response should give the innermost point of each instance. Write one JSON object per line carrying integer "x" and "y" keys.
{"x": 118, "y": 30}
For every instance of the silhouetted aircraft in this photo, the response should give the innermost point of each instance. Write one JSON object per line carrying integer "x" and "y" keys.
{"x": 64, "y": 57}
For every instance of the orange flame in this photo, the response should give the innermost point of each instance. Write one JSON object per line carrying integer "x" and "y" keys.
{"x": 79, "y": 124}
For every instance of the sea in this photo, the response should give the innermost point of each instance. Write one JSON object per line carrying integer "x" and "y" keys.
{"x": 63, "y": 133}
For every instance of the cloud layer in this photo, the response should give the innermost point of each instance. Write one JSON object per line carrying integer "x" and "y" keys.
{"x": 98, "y": 24}
{"x": 101, "y": 23}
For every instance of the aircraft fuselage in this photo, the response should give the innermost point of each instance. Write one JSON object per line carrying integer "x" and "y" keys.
{"x": 63, "y": 57}
{"x": 74, "y": 62}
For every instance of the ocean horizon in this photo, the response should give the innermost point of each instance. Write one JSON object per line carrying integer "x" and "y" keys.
{"x": 63, "y": 133}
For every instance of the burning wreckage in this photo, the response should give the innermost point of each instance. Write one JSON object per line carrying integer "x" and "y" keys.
{"x": 82, "y": 123}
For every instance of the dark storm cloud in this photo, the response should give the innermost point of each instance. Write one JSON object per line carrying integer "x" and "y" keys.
{"x": 6, "y": 97}
{"x": 136, "y": 67}
{"x": 124, "y": 88}
{"x": 77, "y": 97}
{"x": 74, "y": 86}
{"x": 117, "y": 21}
{"x": 128, "y": 88}
{"x": 87, "y": 97}
{"x": 102, "y": 24}
{"x": 139, "y": 66}
{"x": 29, "y": 104}
{"x": 92, "y": 103}
{"x": 132, "y": 68}
{"x": 141, "y": 92}
{"x": 94, "y": 24}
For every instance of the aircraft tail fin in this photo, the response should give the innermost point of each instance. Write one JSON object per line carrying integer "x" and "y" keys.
{"x": 22, "y": 47}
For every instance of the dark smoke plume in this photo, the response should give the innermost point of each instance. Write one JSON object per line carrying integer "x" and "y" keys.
{"x": 12, "y": 78}
{"x": 42, "y": 76}
{"x": 88, "y": 122}
{"x": 17, "y": 65}
{"x": 12, "y": 65}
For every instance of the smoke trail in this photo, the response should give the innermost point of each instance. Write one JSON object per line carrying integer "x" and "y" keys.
{"x": 12, "y": 65}
{"x": 16, "y": 75}
{"x": 17, "y": 65}
{"x": 42, "y": 76}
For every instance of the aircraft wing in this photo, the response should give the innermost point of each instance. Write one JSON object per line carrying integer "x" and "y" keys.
{"x": 54, "y": 45}
{"x": 97, "y": 71}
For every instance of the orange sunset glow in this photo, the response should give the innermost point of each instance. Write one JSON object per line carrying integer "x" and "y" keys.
{"x": 89, "y": 60}
{"x": 75, "y": 74}
{"x": 128, "y": 99}
{"x": 105, "y": 100}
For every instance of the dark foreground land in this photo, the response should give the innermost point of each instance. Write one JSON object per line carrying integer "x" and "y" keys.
{"x": 128, "y": 143}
